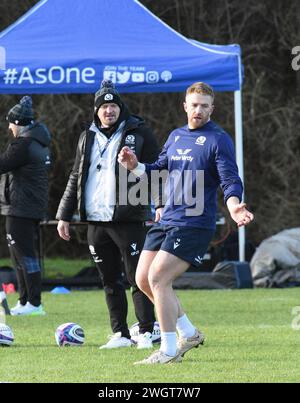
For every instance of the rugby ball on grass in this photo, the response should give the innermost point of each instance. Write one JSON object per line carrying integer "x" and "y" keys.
{"x": 6, "y": 335}
{"x": 69, "y": 334}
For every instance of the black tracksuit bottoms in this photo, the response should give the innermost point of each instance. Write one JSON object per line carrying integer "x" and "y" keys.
{"x": 22, "y": 237}
{"x": 108, "y": 243}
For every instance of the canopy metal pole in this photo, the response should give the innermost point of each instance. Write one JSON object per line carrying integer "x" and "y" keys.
{"x": 239, "y": 159}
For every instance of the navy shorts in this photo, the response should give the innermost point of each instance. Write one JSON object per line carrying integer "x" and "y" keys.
{"x": 187, "y": 243}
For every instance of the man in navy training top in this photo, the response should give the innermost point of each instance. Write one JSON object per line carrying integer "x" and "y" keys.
{"x": 181, "y": 238}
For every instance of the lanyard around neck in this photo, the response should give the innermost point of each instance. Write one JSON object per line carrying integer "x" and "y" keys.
{"x": 101, "y": 152}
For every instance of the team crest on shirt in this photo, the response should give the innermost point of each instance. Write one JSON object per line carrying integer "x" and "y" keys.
{"x": 130, "y": 139}
{"x": 200, "y": 141}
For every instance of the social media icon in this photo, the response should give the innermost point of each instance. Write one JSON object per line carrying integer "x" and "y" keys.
{"x": 123, "y": 77}
{"x": 166, "y": 75}
{"x": 110, "y": 75}
{"x": 138, "y": 77}
{"x": 152, "y": 77}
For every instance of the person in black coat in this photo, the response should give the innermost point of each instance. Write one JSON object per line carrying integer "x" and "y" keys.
{"x": 99, "y": 188}
{"x": 24, "y": 169}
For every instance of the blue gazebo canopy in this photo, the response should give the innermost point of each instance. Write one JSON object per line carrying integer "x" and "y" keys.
{"x": 69, "y": 46}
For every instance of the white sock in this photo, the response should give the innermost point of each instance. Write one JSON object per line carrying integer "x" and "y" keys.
{"x": 168, "y": 343}
{"x": 2, "y": 296}
{"x": 185, "y": 327}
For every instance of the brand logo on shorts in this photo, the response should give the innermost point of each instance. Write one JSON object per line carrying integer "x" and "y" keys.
{"x": 134, "y": 246}
{"x": 94, "y": 255}
{"x": 198, "y": 259}
{"x": 176, "y": 243}
{"x": 10, "y": 240}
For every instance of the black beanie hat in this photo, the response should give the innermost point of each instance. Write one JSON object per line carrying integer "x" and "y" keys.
{"x": 107, "y": 94}
{"x": 22, "y": 113}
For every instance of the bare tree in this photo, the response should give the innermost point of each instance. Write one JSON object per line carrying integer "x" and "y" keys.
{"x": 266, "y": 30}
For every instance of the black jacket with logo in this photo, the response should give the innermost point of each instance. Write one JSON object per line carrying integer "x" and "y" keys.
{"x": 146, "y": 150}
{"x": 24, "y": 174}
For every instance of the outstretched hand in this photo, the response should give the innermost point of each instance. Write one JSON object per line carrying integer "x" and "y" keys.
{"x": 127, "y": 158}
{"x": 240, "y": 214}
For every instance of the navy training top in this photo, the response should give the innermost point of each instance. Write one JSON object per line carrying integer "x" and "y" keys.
{"x": 198, "y": 162}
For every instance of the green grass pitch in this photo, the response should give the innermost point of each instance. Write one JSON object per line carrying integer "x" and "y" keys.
{"x": 250, "y": 338}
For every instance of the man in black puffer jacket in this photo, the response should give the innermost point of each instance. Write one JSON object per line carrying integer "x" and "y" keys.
{"x": 116, "y": 227}
{"x": 23, "y": 200}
